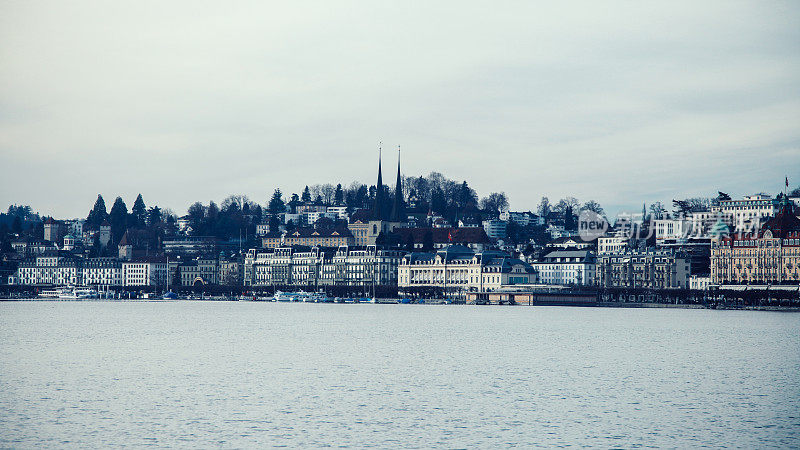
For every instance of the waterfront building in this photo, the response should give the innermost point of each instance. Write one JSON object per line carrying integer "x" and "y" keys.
{"x": 648, "y": 268}
{"x": 230, "y": 271}
{"x": 768, "y": 255}
{"x": 699, "y": 283}
{"x": 148, "y": 271}
{"x": 566, "y": 267}
{"x": 303, "y": 266}
{"x": 458, "y": 268}
{"x": 102, "y": 272}
{"x": 55, "y": 268}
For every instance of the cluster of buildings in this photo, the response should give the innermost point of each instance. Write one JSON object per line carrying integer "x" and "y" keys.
{"x": 186, "y": 262}
{"x": 751, "y": 241}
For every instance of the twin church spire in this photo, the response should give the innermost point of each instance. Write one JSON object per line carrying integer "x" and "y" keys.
{"x": 381, "y": 210}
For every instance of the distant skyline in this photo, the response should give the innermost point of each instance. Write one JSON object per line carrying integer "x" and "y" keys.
{"x": 622, "y": 103}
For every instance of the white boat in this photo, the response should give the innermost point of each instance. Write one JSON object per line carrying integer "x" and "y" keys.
{"x": 52, "y": 293}
{"x": 78, "y": 293}
{"x": 319, "y": 297}
{"x": 283, "y": 296}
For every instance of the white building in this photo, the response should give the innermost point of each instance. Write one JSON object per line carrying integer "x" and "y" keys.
{"x": 316, "y": 266}
{"x": 566, "y": 267}
{"x": 49, "y": 270}
{"x": 102, "y": 272}
{"x": 262, "y": 229}
{"x": 699, "y": 283}
{"x": 611, "y": 244}
{"x": 495, "y": 228}
{"x": 521, "y": 218}
{"x": 752, "y": 209}
{"x": 145, "y": 272}
{"x": 339, "y": 211}
{"x": 458, "y": 268}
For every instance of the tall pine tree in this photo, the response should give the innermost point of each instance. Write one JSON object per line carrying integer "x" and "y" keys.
{"x": 118, "y": 218}
{"x": 98, "y": 213}
{"x": 139, "y": 212}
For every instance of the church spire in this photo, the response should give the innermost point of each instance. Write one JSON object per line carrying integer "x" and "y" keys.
{"x": 398, "y": 206}
{"x": 379, "y": 209}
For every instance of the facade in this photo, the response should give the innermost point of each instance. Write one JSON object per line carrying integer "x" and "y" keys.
{"x": 230, "y": 272}
{"x": 192, "y": 245}
{"x": 769, "y": 255}
{"x": 302, "y": 266}
{"x": 495, "y": 228}
{"x": 574, "y": 242}
{"x": 458, "y": 268}
{"x": 102, "y": 272}
{"x": 751, "y": 210}
{"x": 50, "y": 269}
{"x": 200, "y": 271}
{"x": 54, "y": 230}
{"x": 699, "y": 283}
{"x": 39, "y": 270}
{"x": 145, "y": 272}
{"x": 262, "y": 229}
{"x": 566, "y": 267}
{"x": 524, "y": 219}
{"x": 653, "y": 269}
{"x": 611, "y": 244}
{"x": 474, "y": 238}
{"x": 318, "y": 238}
{"x": 273, "y": 239}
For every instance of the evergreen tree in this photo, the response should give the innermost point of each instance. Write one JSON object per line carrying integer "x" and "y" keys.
{"x": 16, "y": 227}
{"x": 98, "y": 213}
{"x": 274, "y": 223}
{"x": 338, "y": 196}
{"x": 118, "y": 218}
{"x": 154, "y": 215}
{"x": 139, "y": 212}
{"x": 306, "y": 197}
{"x": 438, "y": 201}
{"x": 276, "y": 204}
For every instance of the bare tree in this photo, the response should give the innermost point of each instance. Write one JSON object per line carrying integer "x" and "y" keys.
{"x": 326, "y": 192}
{"x": 593, "y": 206}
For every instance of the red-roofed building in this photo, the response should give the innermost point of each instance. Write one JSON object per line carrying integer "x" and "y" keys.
{"x": 769, "y": 256}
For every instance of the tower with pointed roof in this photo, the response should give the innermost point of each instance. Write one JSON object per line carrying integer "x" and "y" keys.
{"x": 379, "y": 207}
{"x": 398, "y": 206}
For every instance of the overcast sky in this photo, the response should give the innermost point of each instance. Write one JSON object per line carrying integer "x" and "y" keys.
{"x": 623, "y": 103}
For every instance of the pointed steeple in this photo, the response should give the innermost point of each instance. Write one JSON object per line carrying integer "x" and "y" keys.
{"x": 398, "y": 206}
{"x": 379, "y": 209}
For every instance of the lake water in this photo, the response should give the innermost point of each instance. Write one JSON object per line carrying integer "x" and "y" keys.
{"x": 238, "y": 374}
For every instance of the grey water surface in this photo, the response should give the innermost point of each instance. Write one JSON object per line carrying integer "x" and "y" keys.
{"x": 241, "y": 374}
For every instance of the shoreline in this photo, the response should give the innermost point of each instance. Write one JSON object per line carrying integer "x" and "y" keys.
{"x": 386, "y": 302}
